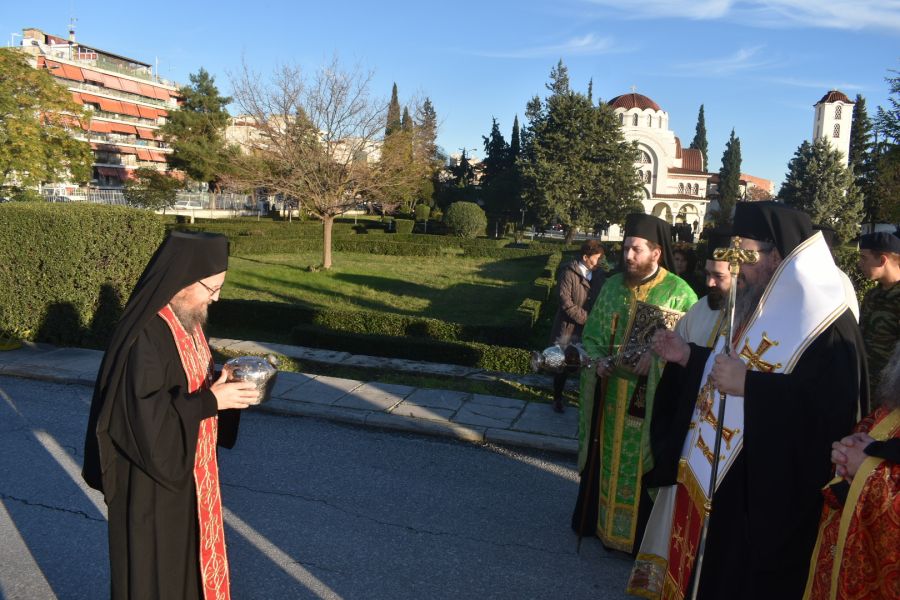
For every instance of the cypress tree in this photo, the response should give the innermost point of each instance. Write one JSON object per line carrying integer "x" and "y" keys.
{"x": 699, "y": 141}
{"x": 393, "y": 115}
{"x": 861, "y": 158}
{"x": 515, "y": 144}
{"x": 729, "y": 178}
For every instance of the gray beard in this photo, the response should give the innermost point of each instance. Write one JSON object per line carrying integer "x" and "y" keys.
{"x": 189, "y": 319}
{"x": 746, "y": 302}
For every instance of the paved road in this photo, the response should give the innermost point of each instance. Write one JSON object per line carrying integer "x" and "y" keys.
{"x": 313, "y": 510}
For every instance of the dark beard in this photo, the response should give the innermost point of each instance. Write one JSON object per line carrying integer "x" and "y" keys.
{"x": 715, "y": 298}
{"x": 643, "y": 272}
{"x": 190, "y": 319}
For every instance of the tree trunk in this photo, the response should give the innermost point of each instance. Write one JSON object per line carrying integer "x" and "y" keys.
{"x": 570, "y": 235}
{"x": 327, "y": 226}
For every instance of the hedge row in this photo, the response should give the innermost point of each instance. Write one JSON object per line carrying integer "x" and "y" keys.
{"x": 541, "y": 289}
{"x": 469, "y": 354}
{"x": 66, "y": 270}
{"x": 278, "y": 316}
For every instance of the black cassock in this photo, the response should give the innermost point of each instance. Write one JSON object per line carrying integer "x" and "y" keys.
{"x": 153, "y": 523}
{"x": 766, "y": 511}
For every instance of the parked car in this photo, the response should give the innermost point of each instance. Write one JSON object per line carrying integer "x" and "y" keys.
{"x": 187, "y": 205}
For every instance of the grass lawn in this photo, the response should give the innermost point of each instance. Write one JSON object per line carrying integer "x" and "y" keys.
{"x": 474, "y": 291}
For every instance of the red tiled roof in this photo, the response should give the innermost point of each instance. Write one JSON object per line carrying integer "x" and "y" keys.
{"x": 692, "y": 159}
{"x": 633, "y": 100}
{"x": 835, "y": 96}
{"x": 683, "y": 171}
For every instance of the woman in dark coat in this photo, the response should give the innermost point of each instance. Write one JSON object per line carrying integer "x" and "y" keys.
{"x": 577, "y": 286}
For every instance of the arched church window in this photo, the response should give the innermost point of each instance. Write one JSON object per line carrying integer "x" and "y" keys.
{"x": 621, "y": 118}
{"x": 660, "y": 122}
{"x": 837, "y": 130}
{"x": 647, "y": 176}
{"x": 696, "y": 189}
{"x": 649, "y": 120}
{"x": 645, "y": 158}
{"x": 680, "y": 188}
{"x": 634, "y": 118}
{"x": 837, "y": 112}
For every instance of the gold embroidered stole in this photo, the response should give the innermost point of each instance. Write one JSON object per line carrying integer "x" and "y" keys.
{"x": 196, "y": 359}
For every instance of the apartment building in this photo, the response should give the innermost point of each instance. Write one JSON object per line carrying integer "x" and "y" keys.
{"x": 127, "y": 103}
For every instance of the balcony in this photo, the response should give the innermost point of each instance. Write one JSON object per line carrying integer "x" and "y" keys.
{"x": 96, "y": 89}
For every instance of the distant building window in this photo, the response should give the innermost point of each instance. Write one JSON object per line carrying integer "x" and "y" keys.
{"x": 837, "y": 130}
{"x": 634, "y": 118}
{"x": 621, "y": 118}
{"x": 645, "y": 158}
{"x": 660, "y": 122}
{"x": 680, "y": 188}
{"x": 837, "y": 112}
{"x": 649, "y": 120}
{"x": 647, "y": 176}
{"x": 696, "y": 189}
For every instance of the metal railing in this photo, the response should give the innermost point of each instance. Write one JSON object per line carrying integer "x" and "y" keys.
{"x": 240, "y": 203}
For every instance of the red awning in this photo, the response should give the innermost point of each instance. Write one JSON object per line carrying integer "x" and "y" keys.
{"x": 112, "y": 82}
{"x": 157, "y": 156}
{"x": 122, "y": 128}
{"x": 144, "y": 154}
{"x": 77, "y": 98}
{"x": 100, "y": 127}
{"x": 127, "y": 150}
{"x": 130, "y": 109}
{"x": 145, "y": 134}
{"x": 147, "y": 112}
{"x": 113, "y": 106}
{"x": 111, "y": 172}
{"x": 91, "y": 76}
{"x": 129, "y": 85}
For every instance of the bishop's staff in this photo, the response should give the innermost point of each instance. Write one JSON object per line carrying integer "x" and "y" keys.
{"x": 735, "y": 256}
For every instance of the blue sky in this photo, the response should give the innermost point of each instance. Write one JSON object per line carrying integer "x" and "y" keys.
{"x": 758, "y": 66}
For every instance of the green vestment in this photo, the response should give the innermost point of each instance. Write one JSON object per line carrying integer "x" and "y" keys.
{"x": 624, "y": 439}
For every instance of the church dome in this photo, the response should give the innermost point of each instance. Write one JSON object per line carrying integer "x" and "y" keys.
{"x": 835, "y": 96}
{"x": 633, "y": 100}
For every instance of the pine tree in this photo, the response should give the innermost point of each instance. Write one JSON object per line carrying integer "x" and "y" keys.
{"x": 888, "y": 119}
{"x": 699, "y": 141}
{"x": 819, "y": 184}
{"x": 576, "y": 166}
{"x": 196, "y": 131}
{"x": 406, "y": 123}
{"x": 729, "y": 179}
{"x": 393, "y": 114}
{"x": 496, "y": 153}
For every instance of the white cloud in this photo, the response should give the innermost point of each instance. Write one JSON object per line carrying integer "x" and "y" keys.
{"x": 828, "y": 14}
{"x": 817, "y": 84}
{"x": 745, "y": 59}
{"x": 586, "y": 45}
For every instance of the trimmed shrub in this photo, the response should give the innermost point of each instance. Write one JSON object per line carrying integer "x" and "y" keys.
{"x": 404, "y": 226}
{"x": 276, "y": 316}
{"x": 66, "y": 270}
{"x": 491, "y": 358}
{"x": 465, "y": 219}
{"x": 423, "y": 211}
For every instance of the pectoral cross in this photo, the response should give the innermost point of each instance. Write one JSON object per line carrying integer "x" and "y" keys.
{"x": 754, "y": 360}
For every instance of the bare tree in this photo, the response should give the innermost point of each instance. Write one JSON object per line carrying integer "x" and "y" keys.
{"x": 317, "y": 140}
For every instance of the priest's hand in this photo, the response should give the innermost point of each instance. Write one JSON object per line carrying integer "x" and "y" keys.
{"x": 849, "y": 453}
{"x": 233, "y": 394}
{"x": 670, "y": 347}
{"x": 729, "y": 374}
{"x": 604, "y": 368}
{"x": 643, "y": 365}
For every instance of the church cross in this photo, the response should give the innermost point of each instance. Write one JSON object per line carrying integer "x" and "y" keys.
{"x": 754, "y": 359}
{"x": 633, "y": 89}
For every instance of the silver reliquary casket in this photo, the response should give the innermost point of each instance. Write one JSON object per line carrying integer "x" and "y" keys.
{"x": 260, "y": 371}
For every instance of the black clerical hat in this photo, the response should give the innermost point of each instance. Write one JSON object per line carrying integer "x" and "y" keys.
{"x": 717, "y": 237}
{"x": 652, "y": 229}
{"x": 774, "y": 222}
{"x": 881, "y": 241}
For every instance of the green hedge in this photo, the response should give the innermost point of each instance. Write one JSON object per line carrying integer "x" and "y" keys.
{"x": 491, "y": 358}
{"x": 278, "y": 316}
{"x": 66, "y": 270}
{"x": 847, "y": 259}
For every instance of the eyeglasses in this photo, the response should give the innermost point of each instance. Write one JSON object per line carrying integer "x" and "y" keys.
{"x": 212, "y": 291}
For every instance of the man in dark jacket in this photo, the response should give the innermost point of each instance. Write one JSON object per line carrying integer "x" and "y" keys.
{"x": 577, "y": 286}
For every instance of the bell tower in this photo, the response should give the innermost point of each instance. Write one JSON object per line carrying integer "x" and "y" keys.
{"x": 833, "y": 118}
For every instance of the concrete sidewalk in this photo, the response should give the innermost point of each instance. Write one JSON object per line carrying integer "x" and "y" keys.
{"x": 462, "y": 415}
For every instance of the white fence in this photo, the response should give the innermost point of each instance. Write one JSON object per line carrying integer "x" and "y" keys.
{"x": 208, "y": 201}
